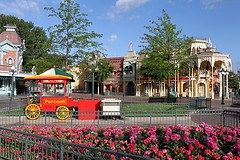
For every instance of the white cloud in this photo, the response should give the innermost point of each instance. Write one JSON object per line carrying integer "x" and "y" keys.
{"x": 122, "y": 6}
{"x": 19, "y": 8}
{"x": 113, "y": 38}
{"x": 126, "y": 5}
{"x": 211, "y": 4}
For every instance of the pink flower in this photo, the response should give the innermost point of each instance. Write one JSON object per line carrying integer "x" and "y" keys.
{"x": 112, "y": 145}
{"x": 147, "y": 152}
{"x": 208, "y": 152}
{"x": 175, "y": 137}
{"x": 199, "y": 157}
{"x": 227, "y": 138}
{"x": 199, "y": 129}
{"x": 169, "y": 158}
{"x": 212, "y": 144}
{"x": 164, "y": 151}
{"x": 216, "y": 156}
{"x": 166, "y": 138}
{"x": 160, "y": 154}
{"x": 188, "y": 152}
{"x": 133, "y": 139}
{"x": 147, "y": 141}
{"x": 96, "y": 141}
{"x": 191, "y": 142}
{"x": 123, "y": 148}
{"x": 227, "y": 156}
{"x": 167, "y": 130}
{"x": 191, "y": 158}
{"x": 131, "y": 147}
{"x": 154, "y": 148}
{"x": 107, "y": 133}
{"x": 191, "y": 147}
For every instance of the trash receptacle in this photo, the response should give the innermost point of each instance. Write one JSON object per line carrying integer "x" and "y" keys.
{"x": 198, "y": 102}
{"x": 108, "y": 93}
{"x": 232, "y": 94}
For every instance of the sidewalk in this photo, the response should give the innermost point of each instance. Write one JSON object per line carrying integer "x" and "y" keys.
{"x": 7, "y": 98}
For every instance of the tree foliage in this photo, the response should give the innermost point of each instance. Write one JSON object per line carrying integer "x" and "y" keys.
{"x": 71, "y": 36}
{"x": 233, "y": 81}
{"x": 104, "y": 70}
{"x": 48, "y": 61}
{"x": 163, "y": 48}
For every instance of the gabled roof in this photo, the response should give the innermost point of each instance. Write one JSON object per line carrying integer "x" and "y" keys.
{"x": 6, "y": 42}
{"x": 12, "y": 36}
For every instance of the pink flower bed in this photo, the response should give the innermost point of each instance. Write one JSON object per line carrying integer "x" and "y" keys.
{"x": 173, "y": 142}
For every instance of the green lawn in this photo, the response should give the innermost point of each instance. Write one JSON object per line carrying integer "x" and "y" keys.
{"x": 153, "y": 107}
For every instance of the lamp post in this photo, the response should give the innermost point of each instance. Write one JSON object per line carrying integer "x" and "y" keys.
{"x": 178, "y": 65}
{"x": 12, "y": 71}
{"x": 223, "y": 72}
{"x": 94, "y": 68}
{"x": 175, "y": 77}
{"x": 92, "y": 83}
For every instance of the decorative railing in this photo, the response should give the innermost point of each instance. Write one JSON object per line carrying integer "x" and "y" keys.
{"x": 204, "y": 73}
{"x": 20, "y": 145}
{"x": 117, "y": 118}
{"x": 231, "y": 118}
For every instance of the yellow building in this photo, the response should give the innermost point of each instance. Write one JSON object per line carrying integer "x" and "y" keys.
{"x": 204, "y": 77}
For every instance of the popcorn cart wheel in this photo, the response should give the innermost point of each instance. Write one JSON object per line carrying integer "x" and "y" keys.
{"x": 32, "y": 111}
{"x": 62, "y": 112}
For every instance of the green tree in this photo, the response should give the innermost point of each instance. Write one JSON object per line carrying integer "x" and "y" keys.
{"x": 71, "y": 36}
{"x": 233, "y": 81}
{"x": 104, "y": 70}
{"x": 48, "y": 61}
{"x": 36, "y": 41}
{"x": 163, "y": 48}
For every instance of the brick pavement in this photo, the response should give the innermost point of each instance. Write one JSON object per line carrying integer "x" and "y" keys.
{"x": 215, "y": 103}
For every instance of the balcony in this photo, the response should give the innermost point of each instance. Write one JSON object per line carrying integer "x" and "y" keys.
{"x": 204, "y": 73}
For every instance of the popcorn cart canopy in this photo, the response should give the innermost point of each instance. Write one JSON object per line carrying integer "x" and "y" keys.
{"x": 47, "y": 77}
{"x": 57, "y": 71}
{"x": 52, "y": 74}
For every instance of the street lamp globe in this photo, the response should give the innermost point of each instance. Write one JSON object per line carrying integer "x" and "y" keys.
{"x": 13, "y": 69}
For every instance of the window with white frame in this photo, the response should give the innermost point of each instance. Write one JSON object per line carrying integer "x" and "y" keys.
{"x": 10, "y": 61}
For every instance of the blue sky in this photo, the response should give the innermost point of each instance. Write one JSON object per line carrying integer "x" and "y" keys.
{"x": 123, "y": 21}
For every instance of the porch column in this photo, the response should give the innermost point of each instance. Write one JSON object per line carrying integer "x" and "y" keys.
{"x": 206, "y": 89}
{"x": 192, "y": 85}
{"x": 212, "y": 92}
{"x": 196, "y": 90}
{"x": 198, "y": 79}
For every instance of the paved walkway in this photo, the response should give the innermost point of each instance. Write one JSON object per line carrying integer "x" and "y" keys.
{"x": 216, "y": 103}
